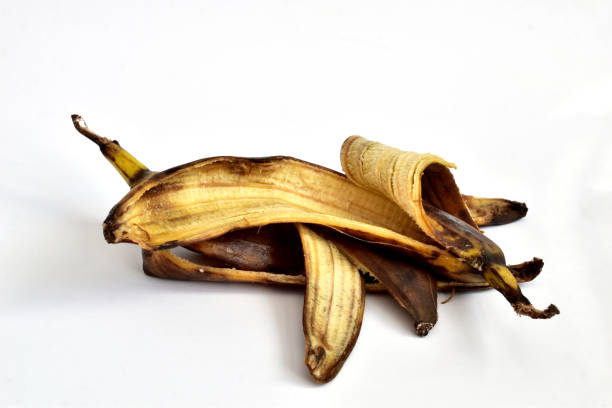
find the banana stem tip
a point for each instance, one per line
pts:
(81, 126)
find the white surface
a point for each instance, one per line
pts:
(518, 95)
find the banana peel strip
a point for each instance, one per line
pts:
(207, 198)
(422, 185)
(167, 265)
(334, 301)
(405, 178)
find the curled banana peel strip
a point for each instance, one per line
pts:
(397, 223)
(422, 185)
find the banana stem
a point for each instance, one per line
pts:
(127, 165)
(502, 279)
(527, 309)
(82, 128)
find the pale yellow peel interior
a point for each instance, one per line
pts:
(333, 305)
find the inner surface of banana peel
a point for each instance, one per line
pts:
(334, 301)
(406, 201)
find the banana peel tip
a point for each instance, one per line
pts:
(423, 328)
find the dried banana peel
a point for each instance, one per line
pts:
(396, 223)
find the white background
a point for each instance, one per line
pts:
(518, 94)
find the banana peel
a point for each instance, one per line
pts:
(423, 186)
(494, 211)
(395, 222)
(165, 264)
(410, 284)
(208, 198)
(276, 248)
(224, 246)
(334, 300)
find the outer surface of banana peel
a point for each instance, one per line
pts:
(333, 305)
